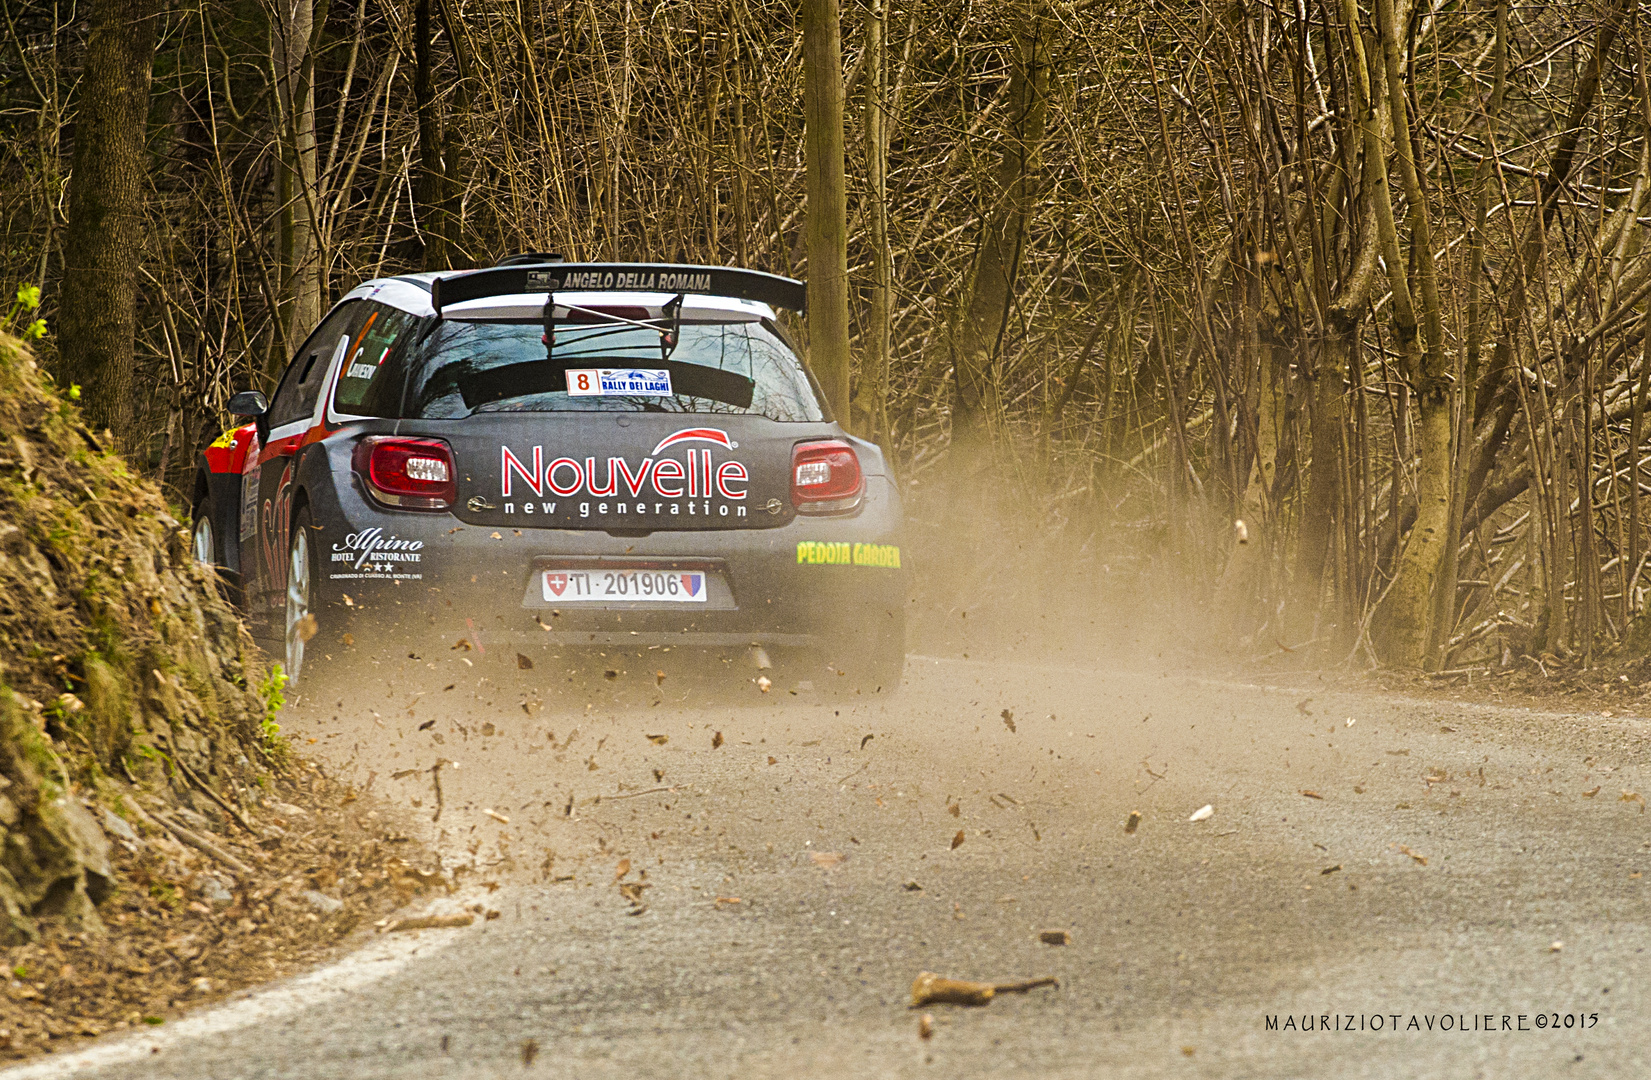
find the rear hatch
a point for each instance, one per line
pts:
(623, 472)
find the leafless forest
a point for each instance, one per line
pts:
(1325, 320)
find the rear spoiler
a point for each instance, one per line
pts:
(755, 285)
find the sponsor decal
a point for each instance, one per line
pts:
(371, 554)
(693, 484)
(275, 524)
(609, 281)
(845, 553)
(225, 440)
(698, 434)
(618, 382)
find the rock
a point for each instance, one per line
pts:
(90, 847)
(321, 902)
(213, 892)
(287, 810)
(114, 823)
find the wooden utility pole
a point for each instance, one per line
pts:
(827, 202)
(103, 236)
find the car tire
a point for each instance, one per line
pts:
(203, 533)
(858, 666)
(300, 601)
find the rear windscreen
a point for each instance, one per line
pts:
(467, 367)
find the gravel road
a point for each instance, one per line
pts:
(1374, 857)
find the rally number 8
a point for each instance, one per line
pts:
(584, 381)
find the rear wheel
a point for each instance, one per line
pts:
(203, 535)
(872, 663)
(300, 622)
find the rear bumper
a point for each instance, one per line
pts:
(430, 575)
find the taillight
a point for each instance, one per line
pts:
(411, 473)
(826, 478)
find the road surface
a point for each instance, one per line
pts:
(1422, 865)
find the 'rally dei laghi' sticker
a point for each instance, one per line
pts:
(618, 382)
(843, 553)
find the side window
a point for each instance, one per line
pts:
(301, 385)
(368, 386)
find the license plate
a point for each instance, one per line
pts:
(607, 586)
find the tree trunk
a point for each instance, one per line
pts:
(430, 188)
(1402, 623)
(103, 236)
(978, 333)
(827, 226)
(874, 375)
(296, 178)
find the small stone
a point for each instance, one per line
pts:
(321, 902)
(114, 823)
(213, 892)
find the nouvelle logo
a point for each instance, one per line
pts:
(668, 477)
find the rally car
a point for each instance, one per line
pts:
(550, 454)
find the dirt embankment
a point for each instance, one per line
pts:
(159, 843)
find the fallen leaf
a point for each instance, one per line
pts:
(925, 1027)
(305, 628)
(1205, 812)
(610, 673)
(729, 900)
(427, 725)
(1330, 869)
(429, 922)
(912, 886)
(1054, 937)
(347, 601)
(1008, 720)
(349, 639)
(622, 869)
(488, 728)
(957, 841)
(955, 809)
(1188, 1051)
(827, 859)
(716, 740)
(930, 988)
(530, 1047)
(1312, 794)
(1403, 850)
(1132, 823)
(865, 740)
(1631, 796)
(659, 740)
(524, 662)
(1590, 793)
(494, 536)
(772, 759)
(463, 643)
(659, 678)
(496, 816)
